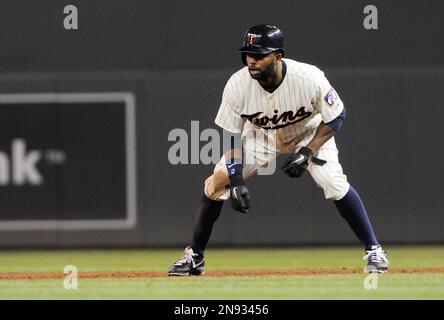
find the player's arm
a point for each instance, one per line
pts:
(325, 131)
(230, 120)
(327, 102)
(296, 164)
(232, 148)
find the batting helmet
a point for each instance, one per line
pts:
(262, 39)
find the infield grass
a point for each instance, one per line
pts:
(338, 286)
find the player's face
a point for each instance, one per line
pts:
(260, 66)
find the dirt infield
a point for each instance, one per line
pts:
(212, 273)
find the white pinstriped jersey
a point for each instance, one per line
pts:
(294, 109)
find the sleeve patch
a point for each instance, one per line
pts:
(331, 97)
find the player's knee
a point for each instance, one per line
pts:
(215, 186)
(336, 191)
(335, 186)
(333, 183)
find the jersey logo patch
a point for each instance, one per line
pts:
(331, 97)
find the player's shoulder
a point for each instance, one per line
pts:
(239, 82)
(303, 71)
(240, 75)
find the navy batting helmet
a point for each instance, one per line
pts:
(262, 39)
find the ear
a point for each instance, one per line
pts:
(278, 57)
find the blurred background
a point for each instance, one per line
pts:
(85, 116)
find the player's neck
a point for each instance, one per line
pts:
(274, 80)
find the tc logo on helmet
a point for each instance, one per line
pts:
(251, 38)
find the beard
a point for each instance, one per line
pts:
(263, 75)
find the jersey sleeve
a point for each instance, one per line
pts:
(325, 99)
(229, 115)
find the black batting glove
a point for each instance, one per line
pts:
(239, 194)
(297, 163)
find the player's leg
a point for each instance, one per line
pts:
(208, 211)
(209, 208)
(333, 181)
(215, 191)
(256, 156)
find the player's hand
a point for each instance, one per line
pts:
(239, 194)
(297, 163)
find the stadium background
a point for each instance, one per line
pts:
(175, 57)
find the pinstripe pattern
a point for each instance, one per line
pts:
(330, 176)
(304, 86)
(305, 98)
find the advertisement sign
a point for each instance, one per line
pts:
(67, 161)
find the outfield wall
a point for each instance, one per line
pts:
(116, 166)
(201, 34)
(85, 117)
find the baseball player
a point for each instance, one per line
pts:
(297, 112)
